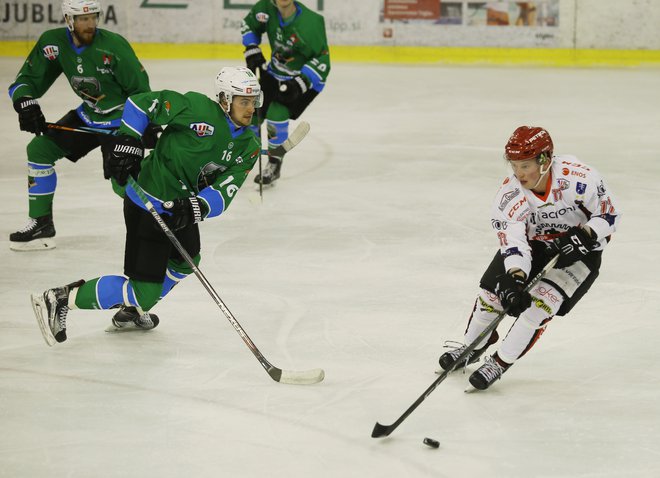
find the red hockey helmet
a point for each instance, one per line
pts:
(529, 142)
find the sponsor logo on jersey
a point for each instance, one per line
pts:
(576, 165)
(51, 52)
(580, 188)
(107, 59)
(600, 189)
(564, 184)
(202, 129)
(557, 195)
(517, 206)
(499, 225)
(507, 197)
(262, 17)
(556, 214)
(511, 251)
(565, 171)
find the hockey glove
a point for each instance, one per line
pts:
(511, 291)
(121, 158)
(254, 58)
(151, 135)
(181, 213)
(30, 116)
(291, 90)
(573, 246)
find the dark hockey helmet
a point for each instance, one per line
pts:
(529, 142)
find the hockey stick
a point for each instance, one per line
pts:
(293, 377)
(82, 129)
(384, 430)
(259, 120)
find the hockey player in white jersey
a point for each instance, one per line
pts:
(549, 205)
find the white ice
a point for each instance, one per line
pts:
(362, 260)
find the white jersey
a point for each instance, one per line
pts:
(576, 195)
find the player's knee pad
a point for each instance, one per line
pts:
(278, 132)
(487, 308)
(546, 301)
(42, 179)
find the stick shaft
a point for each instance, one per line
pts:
(207, 285)
(82, 129)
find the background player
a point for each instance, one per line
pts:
(103, 70)
(297, 72)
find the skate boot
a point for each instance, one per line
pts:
(271, 172)
(128, 319)
(448, 358)
(491, 370)
(50, 309)
(38, 235)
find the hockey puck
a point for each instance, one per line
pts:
(283, 88)
(431, 442)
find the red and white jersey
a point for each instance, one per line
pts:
(576, 194)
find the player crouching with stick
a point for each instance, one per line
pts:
(549, 205)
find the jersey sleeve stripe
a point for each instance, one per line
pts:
(215, 203)
(134, 118)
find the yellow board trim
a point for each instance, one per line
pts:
(558, 57)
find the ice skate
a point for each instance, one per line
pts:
(50, 309)
(38, 235)
(448, 358)
(492, 370)
(270, 173)
(128, 319)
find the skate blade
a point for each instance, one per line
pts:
(471, 389)
(41, 314)
(113, 329)
(36, 245)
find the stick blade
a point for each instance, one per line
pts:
(297, 377)
(380, 431)
(297, 136)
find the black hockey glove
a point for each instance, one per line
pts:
(181, 213)
(573, 246)
(30, 116)
(291, 90)
(511, 291)
(121, 157)
(254, 58)
(151, 135)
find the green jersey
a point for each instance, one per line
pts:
(201, 151)
(104, 74)
(298, 44)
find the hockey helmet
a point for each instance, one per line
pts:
(237, 81)
(71, 8)
(529, 142)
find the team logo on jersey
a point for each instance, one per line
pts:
(107, 59)
(580, 188)
(51, 52)
(202, 129)
(564, 184)
(600, 189)
(262, 17)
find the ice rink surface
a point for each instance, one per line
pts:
(362, 260)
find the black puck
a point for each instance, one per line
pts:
(431, 442)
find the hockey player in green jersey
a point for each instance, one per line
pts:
(103, 71)
(296, 73)
(200, 161)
